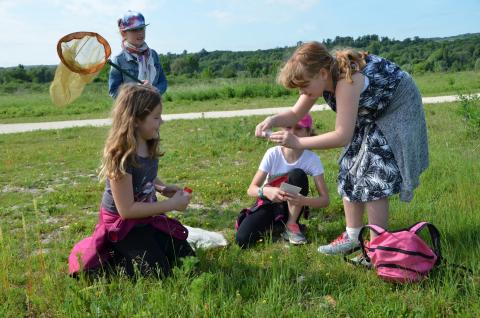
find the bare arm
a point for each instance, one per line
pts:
(274, 194)
(122, 191)
(347, 96)
(289, 117)
(256, 183)
(323, 199)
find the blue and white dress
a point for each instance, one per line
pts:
(368, 169)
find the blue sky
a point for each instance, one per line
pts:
(30, 29)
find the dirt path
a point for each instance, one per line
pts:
(26, 127)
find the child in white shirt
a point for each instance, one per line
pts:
(274, 205)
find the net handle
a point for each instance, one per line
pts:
(109, 62)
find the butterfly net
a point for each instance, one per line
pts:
(82, 55)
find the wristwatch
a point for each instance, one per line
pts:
(260, 193)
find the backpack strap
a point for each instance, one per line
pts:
(375, 228)
(434, 236)
(417, 227)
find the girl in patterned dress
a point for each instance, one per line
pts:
(380, 122)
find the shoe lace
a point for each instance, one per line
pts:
(339, 239)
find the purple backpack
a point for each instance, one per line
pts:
(402, 256)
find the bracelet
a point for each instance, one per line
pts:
(260, 193)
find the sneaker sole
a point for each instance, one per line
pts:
(297, 243)
(353, 250)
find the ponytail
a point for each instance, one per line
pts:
(347, 63)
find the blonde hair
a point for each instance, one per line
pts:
(308, 59)
(134, 103)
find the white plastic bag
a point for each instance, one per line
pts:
(200, 238)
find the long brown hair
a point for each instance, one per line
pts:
(308, 59)
(133, 104)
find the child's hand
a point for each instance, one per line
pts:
(286, 139)
(274, 194)
(181, 200)
(295, 199)
(146, 83)
(266, 124)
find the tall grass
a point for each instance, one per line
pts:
(244, 90)
(470, 111)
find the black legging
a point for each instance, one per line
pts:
(149, 249)
(254, 226)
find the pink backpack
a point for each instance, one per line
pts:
(402, 256)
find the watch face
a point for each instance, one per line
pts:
(260, 192)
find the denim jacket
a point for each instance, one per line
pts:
(129, 63)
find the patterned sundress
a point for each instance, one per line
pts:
(368, 170)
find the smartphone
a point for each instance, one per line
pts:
(290, 188)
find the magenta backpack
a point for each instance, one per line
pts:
(402, 256)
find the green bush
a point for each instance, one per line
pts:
(470, 111)
(243, 90)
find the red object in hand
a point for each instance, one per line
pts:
(187, 189)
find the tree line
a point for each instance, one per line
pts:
(415, 55)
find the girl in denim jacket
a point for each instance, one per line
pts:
(136, 57)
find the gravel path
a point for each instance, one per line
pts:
(25, 127)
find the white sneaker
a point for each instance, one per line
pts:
(361, 260)
(341, 245)
(295, 238)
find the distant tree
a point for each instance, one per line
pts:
(254, 67)
(202, 53)
(41, 74)
(186, 65)
(166, 64)
(439, 66)
(477, 65)
(229, 71)
(374, 47)
(18, 74)
(207, 73)
(415, 55)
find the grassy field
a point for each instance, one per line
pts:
(49, 199)
(196, 95)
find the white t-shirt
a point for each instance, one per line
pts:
(274, 163)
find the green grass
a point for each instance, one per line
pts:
(195, 95)
(49, 200)
(470, 111)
